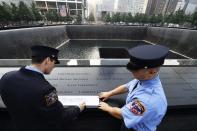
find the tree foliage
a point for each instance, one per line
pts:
(78, 19)
(194, 19)
(5, 12)
(24, 13)
(91, 17)
(107, 18)
(116, 17)
(14, 10)
(52, 16)
(21, 13)
(178, 17)
(36, 12)
(129, 18)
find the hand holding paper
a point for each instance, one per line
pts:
(90, 101)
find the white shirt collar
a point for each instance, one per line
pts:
(33, 68)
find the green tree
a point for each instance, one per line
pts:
(52, 16)
(68, 18)
(123, 17)
(137, 18)
(129, 18)
(2, 19)
(188, 18)
(62, 18)
(5, 13)
(78, 19)
(25, 14)
(107, 18)
(179, 17)
(144, 18)
(169, 18)
(159, 18)
(49, 16)
(194, 19)
(91, 17)
(15, 15)
(57, 16)
(36, 12)
(116, 17)
(153, 19)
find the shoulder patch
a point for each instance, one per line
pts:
(136, 107)
(51, 98)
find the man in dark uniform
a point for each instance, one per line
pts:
(31, 100)
(146, 102)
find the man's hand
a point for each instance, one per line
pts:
(82, 106)
(114, 111)
(104, 106)
(104, 95)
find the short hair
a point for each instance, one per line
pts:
(39, 59)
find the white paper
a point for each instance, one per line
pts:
(76, 100)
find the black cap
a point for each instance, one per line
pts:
(147, 56)
(45, 51)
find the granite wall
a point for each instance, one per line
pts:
(180, 40)
(16, 43)
(106, 32)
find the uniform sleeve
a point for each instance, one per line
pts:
(134, 112)
(0, 86)
(130, 84)
(54, 109)
(1, 83)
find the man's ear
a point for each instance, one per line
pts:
(46, 61)
(152, 71)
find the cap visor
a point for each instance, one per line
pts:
(57, 62)
(132, 67)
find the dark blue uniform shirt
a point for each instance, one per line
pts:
(33, 102)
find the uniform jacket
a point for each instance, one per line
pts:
(33, 103)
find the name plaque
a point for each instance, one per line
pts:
(179, 83)
(84, 81)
